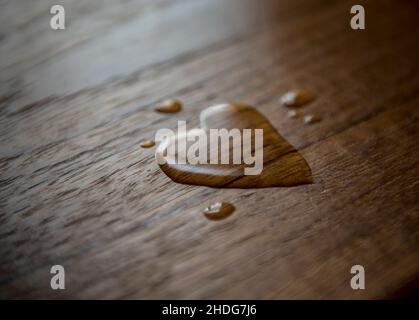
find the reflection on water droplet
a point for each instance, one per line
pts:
(219, 210)
(296, 98)
(148, 144)
(169, 106)
(294, 114)
(311, 118)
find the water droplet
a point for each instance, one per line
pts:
(282, 164)
(296, 98)
(295, 114)
(219, 210)
(311, 118)
(148, 144)
(169, 106)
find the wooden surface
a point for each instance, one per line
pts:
(77, 190)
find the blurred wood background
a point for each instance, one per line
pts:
(77, 190)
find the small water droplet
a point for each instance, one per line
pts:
(294, 114)
(148, 144)
(296, 98)
(311, 118)
(169, 106)
(219, 210)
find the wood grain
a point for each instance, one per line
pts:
(76, 189)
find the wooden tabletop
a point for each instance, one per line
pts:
(77, 190)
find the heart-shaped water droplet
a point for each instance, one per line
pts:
(282, 163)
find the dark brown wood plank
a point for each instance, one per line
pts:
(77, 190)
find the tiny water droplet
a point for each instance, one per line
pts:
(311, 118)
(169, 106)
(219, 210)
(294, 114)
(148, 144)
(296, 98)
